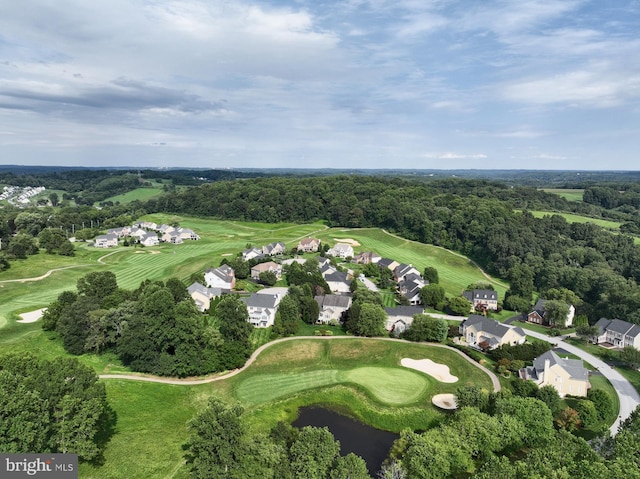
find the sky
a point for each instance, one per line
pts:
(415, 84)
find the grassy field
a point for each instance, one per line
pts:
(455, 271)
(571, 218)
(141, 194)
(566, 193)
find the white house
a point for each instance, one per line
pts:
(150, 239)
(400, 318)
(262, 309)
(332, 307)
(106, 241)
(341, 250)
(222, 277)
(617, 333)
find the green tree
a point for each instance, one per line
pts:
(21, 246)
(97, 285)
(427, 328)
(556, 312)
(286, 322)
(568, 419)
(431, 295)
(431, 275)
(349, 467)
(549, 395)
(53, 197)
(587, 413)
(177, 289)
(458, 306)
(602, 402)
(314, 453)
(216, 447)
(472, 396)
(73, 324)
(371, 321)
(534, 415)
(268, 278)
(631, 356)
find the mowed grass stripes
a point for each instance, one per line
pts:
(392, 386)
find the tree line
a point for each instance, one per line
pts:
(480, 219)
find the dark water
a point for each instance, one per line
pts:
(370, 444)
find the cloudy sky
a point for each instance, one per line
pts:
(535, 84)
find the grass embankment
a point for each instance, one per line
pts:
(572, 218)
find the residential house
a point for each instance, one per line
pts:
(486, 299)
(537, 315)
(332, 307)
(341, 250)
(410, 287)
(251, 253)
(222, 277)
(617, 333)
(120, 232)
(150, 239)
(388, 263)
(338, 281)
(268, 266)
(484, 333)
(202, 295)
(187, 234)
(290, 261)
(172, 237)
(137, 233)
(273, 249)
(163, 228)
(147, 225)
(567, 376)
(400, 318)
(401, 272)
(106, 241)
(262, 309)
(309, 245)
(367, 257)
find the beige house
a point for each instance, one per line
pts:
(568, 376)
(202, 295)
(268, 266)
(309, 245)
(484, 333)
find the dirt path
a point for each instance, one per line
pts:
(256, 353)
(51, 271)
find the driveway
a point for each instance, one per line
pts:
(629, 397)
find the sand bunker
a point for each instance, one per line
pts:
(32, 316)
(436, 370)
(154, 252)
(444, 401)
(350, 241)
(226, 254)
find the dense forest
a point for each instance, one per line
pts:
(484, 220)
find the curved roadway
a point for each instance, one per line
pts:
(629, 397)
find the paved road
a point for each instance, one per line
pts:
(629, 397)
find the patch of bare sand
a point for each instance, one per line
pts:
(350, 241)
(444, 401)
(436, 370)
(31, 316)
(154, 252)
(226, 254)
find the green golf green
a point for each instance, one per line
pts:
(388, 385)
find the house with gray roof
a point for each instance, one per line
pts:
(106, 241)
(411, 286)
(273, 249)
(251, 253)
(338, 281)
(567, 376)
(222, 277)
(262, 309)
(202, 295)
(484, 333)
(538, 316)
(400, 318)
(150, 239)
(332, 307)
(367, 257)
(341, 250)
(486, 299)
(617, 333)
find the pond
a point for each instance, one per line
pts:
(369, 443)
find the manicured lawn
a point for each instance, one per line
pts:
(571, 218)
(567, 193)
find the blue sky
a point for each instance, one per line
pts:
(532, 84)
